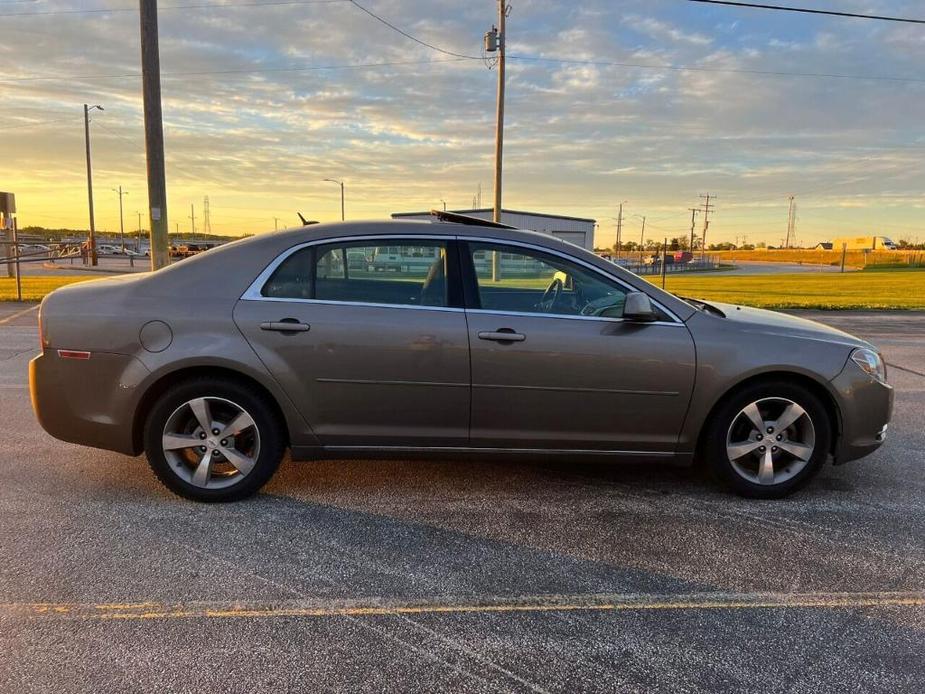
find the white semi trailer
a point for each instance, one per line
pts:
(864, 243)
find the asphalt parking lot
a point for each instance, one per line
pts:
(476, 577)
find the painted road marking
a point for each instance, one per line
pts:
(18, 314)
(542, 603)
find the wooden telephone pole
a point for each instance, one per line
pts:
(154, 134)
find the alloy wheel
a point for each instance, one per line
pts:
(770, 441)
(211, 442)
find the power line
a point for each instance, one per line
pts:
(805, 10)
(200, 6)
(409, 36)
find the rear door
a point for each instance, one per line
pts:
(372, 353)
(554, 366)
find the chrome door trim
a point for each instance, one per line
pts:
(367, 304)
(252, 293)
(606, 319)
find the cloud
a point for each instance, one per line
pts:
(252, 122)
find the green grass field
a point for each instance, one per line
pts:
(35, 288)
(870, 289)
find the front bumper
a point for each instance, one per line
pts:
(866, 406)
(90, 402)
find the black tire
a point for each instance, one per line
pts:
(717, 429)
(272, 437)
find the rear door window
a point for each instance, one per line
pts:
(398, 272)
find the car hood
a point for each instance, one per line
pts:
(773, 322)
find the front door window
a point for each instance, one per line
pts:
(513, 279)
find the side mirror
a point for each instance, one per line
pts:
(638, 308)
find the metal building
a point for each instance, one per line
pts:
(575, 230)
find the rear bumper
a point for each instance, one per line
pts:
(90, 402)
(866, 408)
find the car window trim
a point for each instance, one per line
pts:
(466, 276)
(473, 300)
(255, 291)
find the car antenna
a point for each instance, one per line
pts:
(306, 222)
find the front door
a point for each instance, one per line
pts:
(364, 338)
(555, 367)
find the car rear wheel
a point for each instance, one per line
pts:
(213, 440)
(769, 439)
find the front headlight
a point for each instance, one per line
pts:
(871, 363)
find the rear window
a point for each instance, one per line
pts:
(407, 273)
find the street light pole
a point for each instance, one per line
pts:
(341, 184)
(121, 223)
(92, 243)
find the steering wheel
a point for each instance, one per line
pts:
(551, 295)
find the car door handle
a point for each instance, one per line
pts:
(503, 335)
(287, 325)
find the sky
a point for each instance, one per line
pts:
(661, 101)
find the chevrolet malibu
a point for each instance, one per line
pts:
(382, 339)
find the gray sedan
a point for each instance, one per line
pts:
(400, 338)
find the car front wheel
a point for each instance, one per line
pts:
(213, 440)
(769, 439)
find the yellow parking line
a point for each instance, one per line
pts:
(546, 603)
(11, 318)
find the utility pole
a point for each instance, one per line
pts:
(92, 241)
(501, 38)
(619, 232)
(192, 216)
(642, 236)
(707, 208)
(789, 223)
(276, 224)
(139, 232)
(154, 134)
(121, 223)
(694, 211)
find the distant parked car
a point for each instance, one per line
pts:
(681, 257)
(502, 341)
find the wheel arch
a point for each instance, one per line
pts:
(165, 381)
(817, 387)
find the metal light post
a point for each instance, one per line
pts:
(444, 204)
(341, 184)
(121, 223)
(92, 242)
